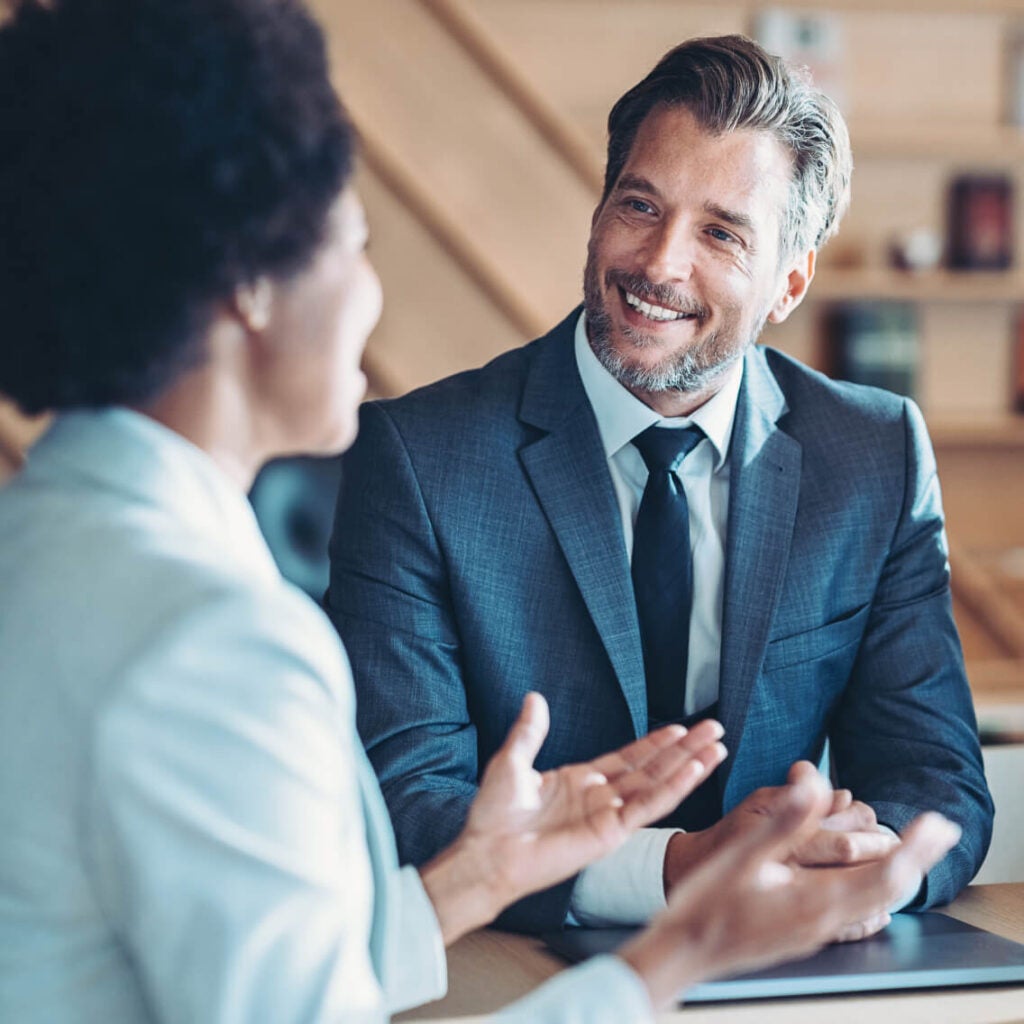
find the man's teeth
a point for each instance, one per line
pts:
(653, 312)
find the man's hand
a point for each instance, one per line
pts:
(847, 835)
(527, 830)
(748, 905)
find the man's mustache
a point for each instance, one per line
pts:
(656, 294)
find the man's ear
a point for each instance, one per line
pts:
(798, 280)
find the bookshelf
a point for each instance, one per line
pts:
(1003, 433)
(968, 145)
(866, 283)
(928, 92)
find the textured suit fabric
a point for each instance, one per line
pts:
(482, 557)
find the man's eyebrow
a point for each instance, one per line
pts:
(635, 183)
(733, 217)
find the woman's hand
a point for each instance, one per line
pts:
(527, 830)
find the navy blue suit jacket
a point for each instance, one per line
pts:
(478, 554)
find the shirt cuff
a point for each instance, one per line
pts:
(417, 969)
(625, 888)
(604, 990)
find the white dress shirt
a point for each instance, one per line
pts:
(189, 829)
(627, 887)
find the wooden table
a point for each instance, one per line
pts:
(490, 969)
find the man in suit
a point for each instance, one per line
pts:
(771, 553)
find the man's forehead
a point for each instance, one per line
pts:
(741, 168)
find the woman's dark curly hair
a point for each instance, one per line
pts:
(154, 155)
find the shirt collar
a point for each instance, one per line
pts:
(621, 415)
(127, 452)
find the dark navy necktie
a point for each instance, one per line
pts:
(662, 570)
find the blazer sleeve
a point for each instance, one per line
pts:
(226, 827)
(390, 600)
(904, 737)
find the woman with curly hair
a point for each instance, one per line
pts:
(190, 830)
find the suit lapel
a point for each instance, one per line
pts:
(569, 473)
(764, 487)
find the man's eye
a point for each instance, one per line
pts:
(639, 205)
(721, 235)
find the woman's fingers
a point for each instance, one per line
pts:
(651, 792)
(528, 732)
(638, 753)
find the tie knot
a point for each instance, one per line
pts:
(663, 448)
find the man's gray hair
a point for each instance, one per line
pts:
(730, 82)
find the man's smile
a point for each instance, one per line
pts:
(653, 312)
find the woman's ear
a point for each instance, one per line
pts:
(252, 304)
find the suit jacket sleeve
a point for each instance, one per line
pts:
(904, 735)
(226, 828)
(390, 601)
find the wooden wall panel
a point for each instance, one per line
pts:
(435, 320)
(983, 492)
(944, 69)
(585, 55)
(407, 82)
(965, 359)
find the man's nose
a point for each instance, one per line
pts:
(669, 254)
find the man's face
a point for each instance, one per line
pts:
(683, 266)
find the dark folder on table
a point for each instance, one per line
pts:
(915, 951)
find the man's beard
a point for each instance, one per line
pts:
(691, 371)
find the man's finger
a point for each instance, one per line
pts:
(864, 891)
(835, 849)
(801, 770)
(857, 817)
(864, 929)
(841, 799)
(926, 840)
(799, 807)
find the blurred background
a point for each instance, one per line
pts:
(483, 129)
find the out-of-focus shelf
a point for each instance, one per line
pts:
(969, 432)
(837, 283)
(916, 6)
(966, 145)
(1000, 711)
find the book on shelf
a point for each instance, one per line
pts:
(1017, 393)
(875, 343)
(981, 222)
